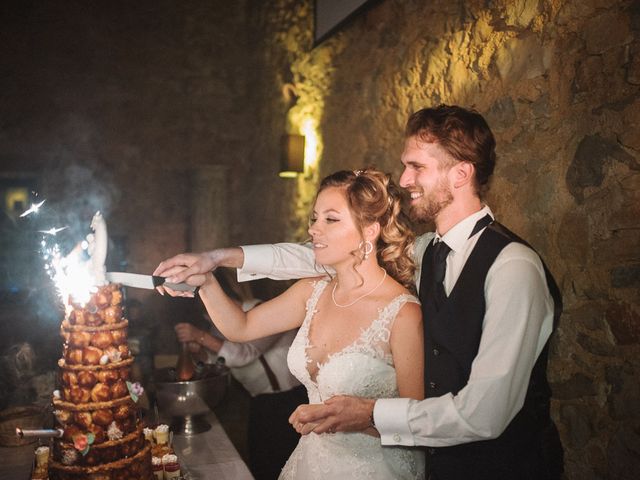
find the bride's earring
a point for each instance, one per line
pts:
(368, 248)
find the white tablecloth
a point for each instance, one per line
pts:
(210, 455)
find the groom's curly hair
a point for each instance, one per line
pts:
(463, 133)
(373, 197)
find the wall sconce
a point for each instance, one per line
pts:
(292, 161)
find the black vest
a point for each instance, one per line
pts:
(452, 338)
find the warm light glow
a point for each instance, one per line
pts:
(311, 144)
(14, 198)
(288, 174)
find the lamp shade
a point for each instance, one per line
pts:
(292, 161)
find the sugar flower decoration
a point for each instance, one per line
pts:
(114, 356)
(69, 456)
(83, 442)
(113, 432)
(135, 390)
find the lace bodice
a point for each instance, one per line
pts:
(363, 368)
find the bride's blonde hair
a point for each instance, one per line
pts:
(373, 197)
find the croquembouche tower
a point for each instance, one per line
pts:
(95, 406)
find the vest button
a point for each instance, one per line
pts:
(436, 352)
(432, 385)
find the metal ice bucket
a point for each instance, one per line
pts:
(187, 403)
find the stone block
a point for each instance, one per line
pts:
(633, 66)
(579, 428)
(587, 169)
(623, 399)
(520, 13)
(605, 31)
(620, 247)
(573, 236)
(623, 453)
(625, 276)
(596, 346)
(578, 386)
(502, 114)
(589, 315)
(629, 134)
(624, 323)
(522, 58)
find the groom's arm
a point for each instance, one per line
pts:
(280, 261)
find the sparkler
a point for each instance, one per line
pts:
(78, 274)
(32, 209)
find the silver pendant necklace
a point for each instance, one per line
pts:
(333, 292)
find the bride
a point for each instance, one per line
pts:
(360, 328)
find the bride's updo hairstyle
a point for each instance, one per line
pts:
(373, 197)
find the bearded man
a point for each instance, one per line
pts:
(489, 307)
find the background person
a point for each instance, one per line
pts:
(261, 367)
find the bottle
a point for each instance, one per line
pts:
(185, 369)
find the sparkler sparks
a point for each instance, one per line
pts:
(70, 275)
(32, 209)
(78, 274)
(53, 231)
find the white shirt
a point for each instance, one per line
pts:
(517, 324)
(243, 360)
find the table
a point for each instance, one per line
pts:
(203, 456)
(210, 454)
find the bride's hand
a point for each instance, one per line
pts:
(304, 428)
(338, 414)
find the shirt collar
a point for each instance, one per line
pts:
(458, 235)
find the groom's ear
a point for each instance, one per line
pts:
(463, 173)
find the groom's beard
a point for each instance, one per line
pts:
(432, 203)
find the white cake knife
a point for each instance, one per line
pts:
(148, 282)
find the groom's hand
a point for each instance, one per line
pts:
(338, 414)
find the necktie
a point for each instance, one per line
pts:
(434, 266)
(440, 252)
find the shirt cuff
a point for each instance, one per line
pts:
(258, 262)
(391, 418)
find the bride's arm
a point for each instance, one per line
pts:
(282, 313)
(407, 348)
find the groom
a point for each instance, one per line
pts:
(489, 307)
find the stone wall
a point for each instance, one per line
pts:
(559, 83)
(114, 105)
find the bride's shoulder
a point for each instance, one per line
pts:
(396, 289)
(312, 283)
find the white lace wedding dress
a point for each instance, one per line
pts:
(363, 369)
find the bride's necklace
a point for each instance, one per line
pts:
(333, 292)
